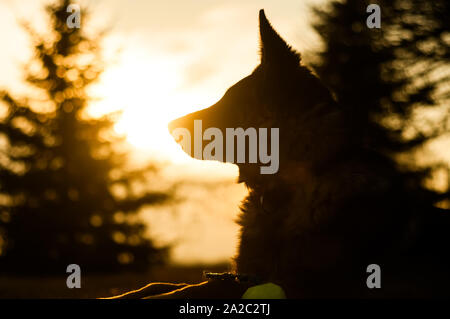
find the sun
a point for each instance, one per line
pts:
(146, 90)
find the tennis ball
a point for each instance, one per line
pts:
(264, 291)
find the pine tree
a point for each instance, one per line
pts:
(383, 76)
(67, 196)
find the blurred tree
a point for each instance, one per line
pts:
(383, 77)
(66, 195)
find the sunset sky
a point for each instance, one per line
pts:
(175, 58)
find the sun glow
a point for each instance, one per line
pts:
(148, 92)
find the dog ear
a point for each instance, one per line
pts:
(274, 50)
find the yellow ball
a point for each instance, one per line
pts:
(265, 291)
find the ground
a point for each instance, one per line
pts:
(95, 286)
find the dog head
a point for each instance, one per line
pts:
(281, 111)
